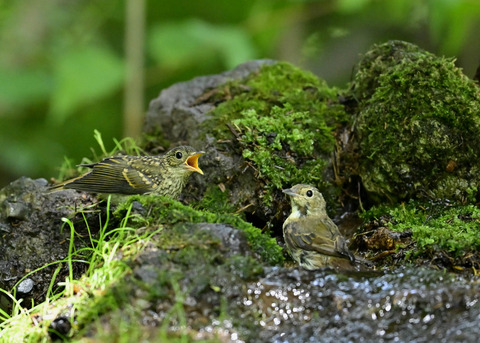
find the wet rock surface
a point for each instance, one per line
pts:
(223, 298)
(32, 237)
(405, 305)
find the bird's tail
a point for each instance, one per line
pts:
(62, 185)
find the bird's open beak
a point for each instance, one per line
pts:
(290, 192)
(192, 162)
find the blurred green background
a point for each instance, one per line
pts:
(69, 67)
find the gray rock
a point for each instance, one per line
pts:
(32, 235)
(15, 210)
(25, 287)
(176, 111)
(233, 240)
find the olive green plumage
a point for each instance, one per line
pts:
(312, 238)
(163, 175)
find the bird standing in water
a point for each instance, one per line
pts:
(162, 175)
(312, 238)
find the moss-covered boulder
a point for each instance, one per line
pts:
(189, 275)
(438, 235)
(157, 211)
(417, 125)
(268, 126)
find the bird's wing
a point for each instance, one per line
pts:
(308, 240)
(339, 242)
(321, 240)
(112, 175)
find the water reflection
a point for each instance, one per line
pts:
(297, 306)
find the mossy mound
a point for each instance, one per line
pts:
(188, 275)
(418, 125)
(437, 234)
(162, 211)
(282, 121)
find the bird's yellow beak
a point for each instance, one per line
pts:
(192, 162)
(290, 192)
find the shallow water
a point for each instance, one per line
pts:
(411, 305)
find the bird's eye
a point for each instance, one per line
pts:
(178, 155)
(309, 193)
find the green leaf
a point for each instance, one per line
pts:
(82, 76)
(351, 6)
(177, 44)
(451, 21)
(23, 87)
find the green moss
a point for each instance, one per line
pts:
(284, 120)
(418, 125)
(455, 229)
(189, 248)
(377, 62)
(214, 200)
(264, 138)
(164, 211)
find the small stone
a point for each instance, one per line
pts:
(137, 207)
(60, 327)
(41, 182)
(25, 287)
(233, 240)
(15, 210)
(4, 228)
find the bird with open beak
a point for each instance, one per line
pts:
(164, 175)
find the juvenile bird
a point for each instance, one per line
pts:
(163, 175)
(311, 237)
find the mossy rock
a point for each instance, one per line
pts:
(157, 211)
(283, 120)
(442, 235)
(418, 125)
(265, 126)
